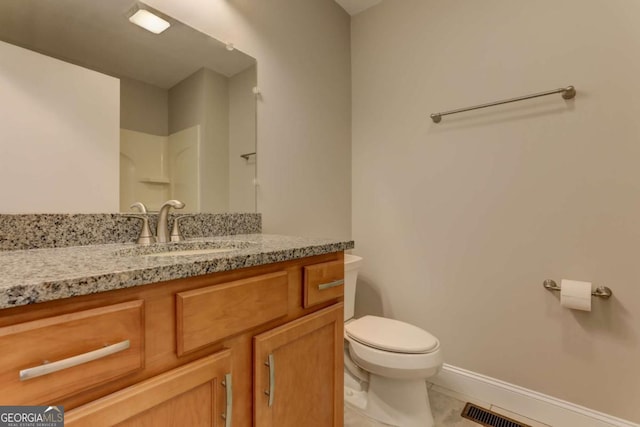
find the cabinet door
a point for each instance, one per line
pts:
(197, 394)
(298, 372)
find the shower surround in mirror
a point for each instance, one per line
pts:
(185, 142)
(78, 81)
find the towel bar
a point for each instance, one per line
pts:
(567, 93)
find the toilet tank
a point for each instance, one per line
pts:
(352, 265)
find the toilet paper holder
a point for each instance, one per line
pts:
(601, 291)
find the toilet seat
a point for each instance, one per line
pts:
(391, 335)
(395, 365)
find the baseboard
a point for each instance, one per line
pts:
(531, 404)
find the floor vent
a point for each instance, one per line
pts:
(488, 418)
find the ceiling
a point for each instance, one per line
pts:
(98, 35)
(353, 7)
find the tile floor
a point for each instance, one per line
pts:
(446, 406)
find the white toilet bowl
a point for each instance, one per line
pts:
(387, 363)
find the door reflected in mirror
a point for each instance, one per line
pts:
(186, 119)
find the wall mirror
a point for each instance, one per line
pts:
(187, 117)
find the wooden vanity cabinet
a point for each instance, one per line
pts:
(193, 395)
(200, 348)
(298, 372)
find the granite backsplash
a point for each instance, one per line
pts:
(36, 231)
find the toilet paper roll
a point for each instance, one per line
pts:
(575, 295)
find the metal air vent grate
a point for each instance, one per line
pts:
(488, 418)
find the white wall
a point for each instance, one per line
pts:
(460, 222)
(74, 147)
(302, 49)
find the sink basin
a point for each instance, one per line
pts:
(193, 248)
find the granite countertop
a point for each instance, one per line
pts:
(39, 275)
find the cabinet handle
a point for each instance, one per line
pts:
(272, 378)
(70, 362)
(324, 286)
(228, 411)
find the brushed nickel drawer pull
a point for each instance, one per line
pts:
(70, 362)
(324, 286)
(272, 378)
(227, 384)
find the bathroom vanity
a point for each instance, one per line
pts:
(239, 330)
(248, 336)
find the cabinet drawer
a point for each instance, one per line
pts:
(323, 282)
(205, 316)
(46, 359)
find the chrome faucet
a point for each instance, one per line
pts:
(162, 233)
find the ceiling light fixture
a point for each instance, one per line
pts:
(149, 21)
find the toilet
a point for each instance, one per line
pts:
(386, 363)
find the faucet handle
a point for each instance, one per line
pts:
(145, 237)
(176, 204)
(141, 207)
(176, 235)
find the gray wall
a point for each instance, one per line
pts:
(144, 107)
(214, 152)
(242, 140)
(203, 99)
(459, 223)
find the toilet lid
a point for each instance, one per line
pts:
(390, 335)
